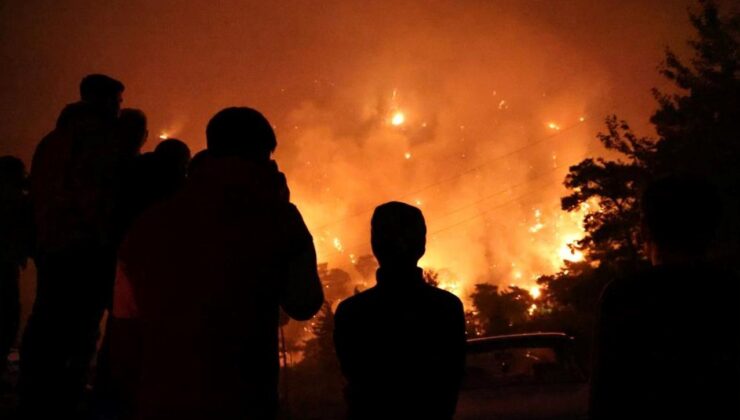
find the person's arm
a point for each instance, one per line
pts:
(124, 334)
(301, 294)
(342, 340)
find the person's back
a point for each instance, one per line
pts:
(401, 343)
(207, 270)
(669, 344)
(668, 338)
(73, 173)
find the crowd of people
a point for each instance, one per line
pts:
(193, 260)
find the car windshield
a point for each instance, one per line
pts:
(525, 365)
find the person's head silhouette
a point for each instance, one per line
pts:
(132, 126)
(175, 154)
(242, 132)
(398, 235)
(103, 92)
(679, 218)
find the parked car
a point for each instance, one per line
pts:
(524, 376)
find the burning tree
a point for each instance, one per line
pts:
(501, 311)
(698, 134)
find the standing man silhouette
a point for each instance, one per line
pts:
(401, 344)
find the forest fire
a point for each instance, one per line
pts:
(476, 233)
(543, 148)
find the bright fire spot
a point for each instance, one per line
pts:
(535, 292)
(418, 202)
(532, 309)
(338, 245)
(353, 259)
(582, 119)
(407, 155)
(164, 136)
(567, 254)
(553, 126)
(517, 275)
(398, 118)
(538, 222)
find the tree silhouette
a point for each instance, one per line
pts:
(698, 127)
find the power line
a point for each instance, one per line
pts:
(460, 174)
(483, 212)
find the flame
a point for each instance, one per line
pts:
(538, 222)
(164, 136)
(398, 119)
(535, 292)
(453, 287)
(407, 155)
(566, 253)
(553, 126)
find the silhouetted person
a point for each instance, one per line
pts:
(197, 162)
(173, 156)
(201, 277)
(132, 131)
(151, 177)
(16, 239)
(668, 338)
(401, 344)
(100, 98)
(73, 185)
(130, 134)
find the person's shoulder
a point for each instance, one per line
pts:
(52, 140)
(443, 297)
(358, 301)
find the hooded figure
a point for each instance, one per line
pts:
(202, 276)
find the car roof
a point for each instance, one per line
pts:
(539, 339)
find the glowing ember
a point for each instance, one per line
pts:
(164, 136)
(582, 119)
(538, 222)
(338, 245)
(407, 155)
(553, 126)
(532, 309)
(535, 292)
(398, 118)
